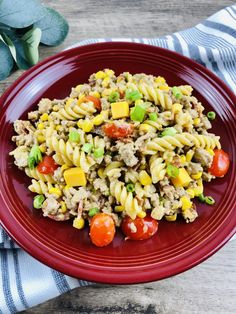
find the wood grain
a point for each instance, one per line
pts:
(207, 288)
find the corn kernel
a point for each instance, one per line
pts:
(190, 192)
(109, 72)
(196, 121)
(87, 126)
(210, 151)
(141, 214)
(98, 120)
(80, 123)
(160, 80)
(78, 88)
(119, 209)
(44, 117)
(58, 127)
(186, 203)
(171, 217)
(69, 101)
(55, 108)
(107, 92)
(55, 191)
(144, 178)
(105, 114)
(43, 148)
(176, 108)
(106, 82)
(81, 99)
(78, 223)
(63, 208)
(40, 139)
(196, 176)
(95, 94)
(100, 172)
(164, 87)
(182, 159)
(67, 187)
(64, 167)
(189, 155)
(40, 126)
(100, 75)
(144, 127)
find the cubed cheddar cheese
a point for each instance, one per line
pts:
(182, 180)
(75, 177)
(120, 110)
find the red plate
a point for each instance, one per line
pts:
(177, 246)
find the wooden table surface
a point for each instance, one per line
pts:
(207, 288)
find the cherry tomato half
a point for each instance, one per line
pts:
(139, 228)
(220, 163)
(95, 100)
(113, 130)
(47, 165)
(102, 229)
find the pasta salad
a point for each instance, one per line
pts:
(120, 151)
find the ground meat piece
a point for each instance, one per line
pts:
(85, 89)
(58, 176)
(141, 141)
(100, 184)
(206, 123)
(190, 214)
(20, 154)
(169, 191)
(24, 139)
(45, 105)
(127, 153)
(176, 161)
(194, 168)
(33, 115)
(203, 157)
(23, 127)
(207, 176)
(50, 206)
(105, 104)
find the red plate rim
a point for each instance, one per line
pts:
(101, 274)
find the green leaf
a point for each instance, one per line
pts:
(6, 61)
(54, 28)
(10, 45)
(20, 55)
(31, 41)
(21, 13)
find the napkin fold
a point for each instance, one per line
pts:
(25, 282)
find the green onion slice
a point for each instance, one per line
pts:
(74, 136)
(172, 171)
(87, 147)
(211, 115)
(209, 200)
(153, 116)
(132, 95)
(114, 97)
(93, 211)
(38, 201)
(138, 113)
(177, 92)
(201, 198)
(169, 131)
(98, 152)
(35, 156)
(130, 187)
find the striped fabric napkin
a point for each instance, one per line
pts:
(25, 282)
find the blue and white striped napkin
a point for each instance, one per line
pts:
(25, 282)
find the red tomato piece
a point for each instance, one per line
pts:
(115, 131)
(139, 228)
(47, 165)
(220, 163)
(102, 229)
(95, 100)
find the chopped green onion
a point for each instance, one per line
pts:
(98, 152)
(209, 200)
(177, 92)
(132, 95)
(169, 131)
(38, 201)
(74, 136)
(211, 115)
(130, 187)
(201, 198)
(172, 171)
(153, 116)
(93, 211)
(35, 156)
(87, 147)
(138, 113)
(114, 97)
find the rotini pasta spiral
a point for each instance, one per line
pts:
(126, 199)
(113, 169)
(34, 173)
(40, 187)
(157, 168)
(156, 95)
(131, 176)
(180, 140)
